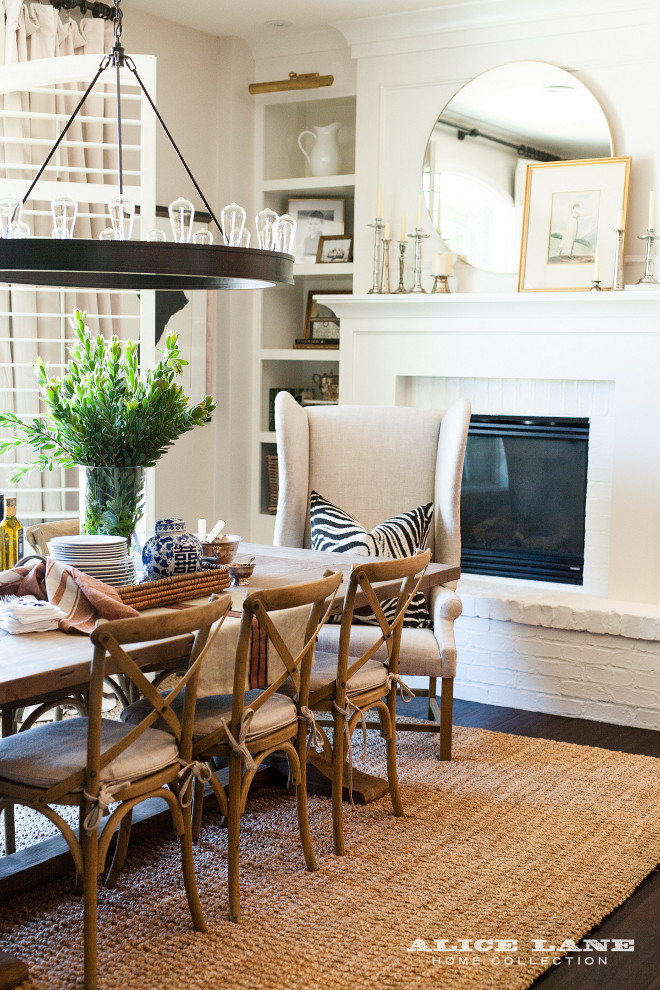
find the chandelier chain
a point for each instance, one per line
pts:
(117, 23)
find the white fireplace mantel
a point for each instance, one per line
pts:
(538, 339)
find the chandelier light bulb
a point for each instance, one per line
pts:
(122, 214)
(156, 235)
(267, 233)
(245, 238)
(182, 214)
(232, 219)
(10, 213)
(18, 231)
(65, 211)
(203, 237)
(286, 229)
(107, 234)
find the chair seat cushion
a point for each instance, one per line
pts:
(276, 713)
(43, 756)
(419, 653)
(372, 674)
(333, 529)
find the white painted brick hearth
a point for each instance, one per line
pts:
(558, 652)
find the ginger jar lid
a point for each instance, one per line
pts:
(172, 525)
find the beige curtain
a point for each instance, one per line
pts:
(34, 321)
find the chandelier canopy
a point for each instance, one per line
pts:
(117, 262)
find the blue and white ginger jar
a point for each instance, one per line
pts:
(171, 550)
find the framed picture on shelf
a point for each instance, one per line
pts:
(321, 327)
(570, 213)
(335, 248)
(316, 218)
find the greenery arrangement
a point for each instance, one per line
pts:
(103, 413)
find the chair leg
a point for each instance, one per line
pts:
(90, 850)
(338, 749)
(233, 837)
(432, 693)
(188, 867)
(390, 745)
(8, 717)
(446, 717)
(121, 848)
(198, 804)
(301, 802)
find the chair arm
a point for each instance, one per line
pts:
(445, 607)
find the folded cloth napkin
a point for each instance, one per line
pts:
(81, 598)
(27, 614)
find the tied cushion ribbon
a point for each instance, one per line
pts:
(100, 804)
(240, 747)
(315, 737)
(195, 770)
(407, 694)
(346, 713)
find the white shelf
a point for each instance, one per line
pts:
(308, 184)
(329, 270)
(267, 436)
(304, 354)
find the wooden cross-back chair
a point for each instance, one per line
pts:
(247, 727)
(347, 686)
(92, 762)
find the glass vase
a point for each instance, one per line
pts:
(112, 501)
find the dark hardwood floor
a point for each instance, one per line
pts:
(639, 917)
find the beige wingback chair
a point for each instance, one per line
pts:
(375, 462)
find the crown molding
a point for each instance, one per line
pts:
(285, 43)
(418, 29)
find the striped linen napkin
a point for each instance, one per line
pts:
(82, 598)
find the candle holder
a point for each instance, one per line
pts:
(378, 226)
(648, 278)
(418, 237)
(385, 271)
(402, 265)
(618, 283)
(440, 284)
(596, 286)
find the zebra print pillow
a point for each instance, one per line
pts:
(334, 530)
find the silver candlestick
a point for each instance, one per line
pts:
(418, 237)
(378, 259)
(648, 278)
(402, 265)
(385, 272)
(440, 283)
(618, 284)
(596, 286)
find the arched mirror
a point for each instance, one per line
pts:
(482, 142)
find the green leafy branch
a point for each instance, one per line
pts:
(101, 411)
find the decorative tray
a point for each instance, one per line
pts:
(177, 588)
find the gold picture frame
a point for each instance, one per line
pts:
(570, 209)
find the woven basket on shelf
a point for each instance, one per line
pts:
(177, 588)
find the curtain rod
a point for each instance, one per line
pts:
(95, 8)
(523, 150)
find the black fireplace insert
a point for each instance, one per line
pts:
(523, 497)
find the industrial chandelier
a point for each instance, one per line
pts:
(115, 261)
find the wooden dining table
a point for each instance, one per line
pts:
(39, 667)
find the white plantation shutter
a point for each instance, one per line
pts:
(36, 98)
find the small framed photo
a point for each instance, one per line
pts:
(335, 248)
(317, 313)
(570, 213)
(316, 218)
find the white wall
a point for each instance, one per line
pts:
(202, 96)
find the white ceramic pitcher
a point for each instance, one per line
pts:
(325, 157)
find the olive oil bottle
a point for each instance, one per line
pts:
(11, 536)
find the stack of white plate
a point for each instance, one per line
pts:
(102, 557)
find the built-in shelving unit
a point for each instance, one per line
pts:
(285, 176)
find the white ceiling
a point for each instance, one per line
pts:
(246, 18)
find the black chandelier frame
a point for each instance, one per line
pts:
(113, 264)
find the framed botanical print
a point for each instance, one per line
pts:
(571, 211)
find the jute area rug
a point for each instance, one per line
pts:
(516, 839)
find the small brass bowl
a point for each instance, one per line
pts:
(223, 548)
(240, 573)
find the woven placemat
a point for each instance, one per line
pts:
(176, 588)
